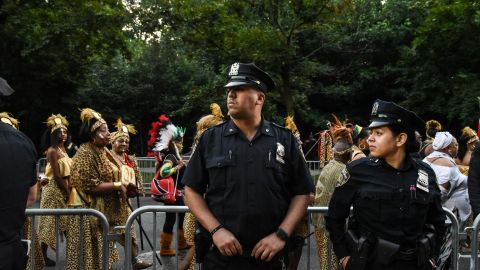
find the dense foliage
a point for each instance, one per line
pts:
(137, 59)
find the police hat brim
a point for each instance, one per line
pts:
(234, 84)
(379, 123)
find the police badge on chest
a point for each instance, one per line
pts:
(422, 180)
(279, 156)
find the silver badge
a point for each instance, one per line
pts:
(234, 69)
(422, 180)
(375, 108)
(280, 153)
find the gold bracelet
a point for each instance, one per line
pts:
(117, 185)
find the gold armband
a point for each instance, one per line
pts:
(117, 185)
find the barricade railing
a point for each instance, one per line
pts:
(81, 212)
(311, 210)
(154, 209)
(474, 245)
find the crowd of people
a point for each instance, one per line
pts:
(248, 187)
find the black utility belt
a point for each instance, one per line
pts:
(368, 249)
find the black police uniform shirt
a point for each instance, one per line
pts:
(18, 174)
(392, 204)
(248, 185)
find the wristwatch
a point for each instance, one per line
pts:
(282, 234)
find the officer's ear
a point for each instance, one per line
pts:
(260, 98)
(401, 139)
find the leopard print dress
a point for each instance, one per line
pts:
(323, 192)
(27, 234)
(53, 197)
(91, 167)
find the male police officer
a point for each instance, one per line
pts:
(255, 180)
(394, 197)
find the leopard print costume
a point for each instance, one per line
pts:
(27, 234)
(91, 167)
(53, 197)
(323, 192)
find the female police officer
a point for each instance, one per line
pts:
(394, 197)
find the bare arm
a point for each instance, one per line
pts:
(52, 157)
(32, 195)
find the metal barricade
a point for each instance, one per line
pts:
(71, 212)
(474, 246)
(128, 234)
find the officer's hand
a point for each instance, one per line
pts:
(226, 243)
(344, 262)
(268, 247)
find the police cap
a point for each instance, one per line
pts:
(249, 74)
(386, 113)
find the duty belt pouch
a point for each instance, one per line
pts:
(384, 251)
(426, 247)
(203, 242)
(360, 250)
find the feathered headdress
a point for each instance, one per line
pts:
(356, 131)
(290, 124)
(470, 134)
(433, 124)
(56, 121)
(339, 131)
(162, 133)
(123, 130)
(92, 117)
(210, 120)
(7, 118)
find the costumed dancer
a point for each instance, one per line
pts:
(206, 122)
(343, 153)
(466, 144)
(93, 179)
(431, 127)
(165, 145)
(126, 172)
(57, 189)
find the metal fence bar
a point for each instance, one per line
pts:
(75, 212)
(134, 215)
(455, 234)
(57, 242)
(32, 243)
(474, 246)
(154, 239)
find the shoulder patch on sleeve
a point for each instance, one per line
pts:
(343, 178)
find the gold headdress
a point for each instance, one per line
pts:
(123, 130)
(432, 125)
(290, 124)
(7, 118)
(208, 121)
(470, 134)
(56, 121)
(88, 114)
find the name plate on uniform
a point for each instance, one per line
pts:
(422, 180)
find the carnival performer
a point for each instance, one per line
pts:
(126, 172)
(93, 178)
(206, 122)
(452, 183)
(56, 191)
(466, 144)
(431, 127)
(343, 153)
(165, 144)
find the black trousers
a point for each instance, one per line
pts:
(171, 217)
(215, 261)
(13, 256)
